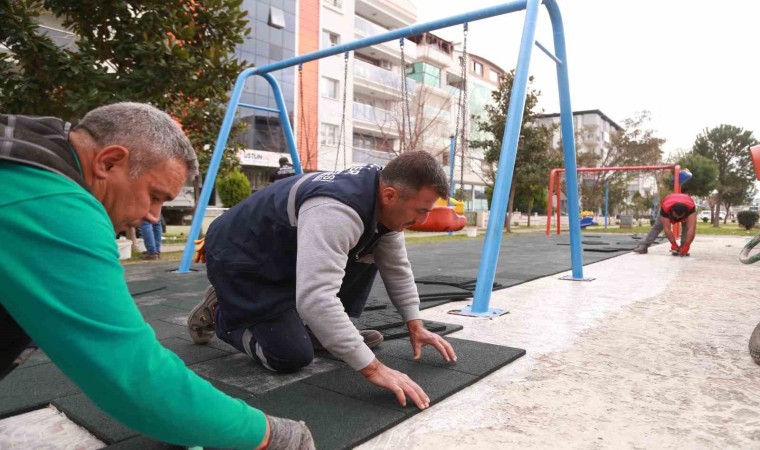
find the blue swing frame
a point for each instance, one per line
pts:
(492, 243)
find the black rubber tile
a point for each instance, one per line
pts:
(336, 421)
(242, 372)
(142, 287)
(474, 358)
(379, 319)
(165, 329)
(35, 359)
(436, 327)
(30, 388)
(433, 303)
(143, 443)
(437, 382)
(435, 290)
(157, 311)
(83, 411)
(215, 343)
(603, 250)
(191, 353)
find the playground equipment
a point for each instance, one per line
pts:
(754, 339)
(503, 182)
(555, 184)
(442, 218)
(587, 219)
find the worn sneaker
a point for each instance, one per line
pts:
(641, 249)
(149, 256)
(372, 338)
(200, 323)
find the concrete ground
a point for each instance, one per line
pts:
(652, 354)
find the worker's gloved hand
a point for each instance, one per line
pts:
(286, 434)
(673, 247)
(685, 249)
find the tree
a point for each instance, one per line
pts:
(177, 55)
(704, 175)
(726, 146)
(535, 154)
(635, 145)
(233, 188)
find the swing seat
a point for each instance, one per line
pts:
(442, 218)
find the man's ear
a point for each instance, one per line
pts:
(110, 159)
(388, 195)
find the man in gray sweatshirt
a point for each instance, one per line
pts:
(300, 256)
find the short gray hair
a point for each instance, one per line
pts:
(151, 135)
(411, 171)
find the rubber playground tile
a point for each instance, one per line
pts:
(84, 413)
(242, 372)
(379, 319)
(436, 327)
(474, 358)
(35, 359)
(437, 382)
(165, 329)
(137, 288)
(433, 303)
(438, 290)
(157, 311)
(142, 443)
(28, 388)
(215, 343)
(191, 353)
(336, 421)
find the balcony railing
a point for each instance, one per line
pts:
(365, 28)
(369, 156)
(371, 114)
(382, 76)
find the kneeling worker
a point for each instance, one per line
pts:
(290, 264)
(676, 208)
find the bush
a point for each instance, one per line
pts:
(747, 219)
(233, 189)
(705, 219)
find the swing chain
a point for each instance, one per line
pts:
(406, 121)
(302, 130)
(462, 118)
(342, 132)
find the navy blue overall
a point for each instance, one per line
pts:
(251, 262)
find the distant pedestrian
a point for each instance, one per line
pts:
(152, 234)
(284, 171)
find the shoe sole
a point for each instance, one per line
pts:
(201, 334)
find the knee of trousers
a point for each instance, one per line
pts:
(289, 359)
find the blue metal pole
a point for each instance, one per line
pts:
(506, 170)
(285, 122)
(568, 141)
(606, 204)
(213, 168)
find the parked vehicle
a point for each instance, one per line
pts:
(706, 214)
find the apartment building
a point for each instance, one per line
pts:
(593, 132)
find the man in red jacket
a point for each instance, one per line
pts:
(676, 208)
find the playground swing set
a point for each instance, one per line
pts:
(504, 176)
(680, 176)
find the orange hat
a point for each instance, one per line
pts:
(755, 152)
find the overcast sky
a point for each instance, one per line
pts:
(692, 64)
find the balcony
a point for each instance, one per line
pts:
(373, 119)
(377, 80)
(363, 28)
(392, 13)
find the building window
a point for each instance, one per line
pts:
(329, 88)
(328, 134)
(477, 68)
(493, 76)
(425, 73)
(276, 17)
(334, 3)
(330, 39)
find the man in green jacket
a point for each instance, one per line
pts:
(114, 169)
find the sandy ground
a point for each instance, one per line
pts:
(652, 354)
